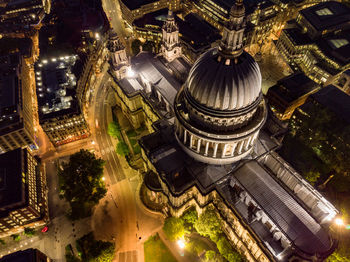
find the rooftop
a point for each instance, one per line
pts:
(194, 30)
(28, 255)
(293, 87)
(10, 89)
(327, 15)
(17, 15)
(297, 37)
(273, 198)
(56, 86)
(337, 47)
(12, 189)
(152, 71)
(335, 100)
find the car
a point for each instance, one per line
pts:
(45, 229)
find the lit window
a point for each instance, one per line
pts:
(337, 43)
(324, 11)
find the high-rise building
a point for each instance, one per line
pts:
(23, 192)
(59, 111)
(16, 104)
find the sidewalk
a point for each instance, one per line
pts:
(173, 248)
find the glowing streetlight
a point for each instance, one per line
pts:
(92, 142)
(103, 178)
(339, 222)
(181, 243)
(130, 72)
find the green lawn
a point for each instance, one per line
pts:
(156, 251)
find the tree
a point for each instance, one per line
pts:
(226, 250)
(114, 129)
(190, 216)
(135, 46)
(148, 46)
(16, 237)
(211, 256)
(81, 182)
(95, 250)
(29, 231)
(173, 228)
(208, 224)
(122, 149)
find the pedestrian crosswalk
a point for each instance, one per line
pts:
(129, 256)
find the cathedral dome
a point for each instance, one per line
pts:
(224, 84)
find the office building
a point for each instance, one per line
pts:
(28, 255)
(23, 192)
(318, 42)
(289, 93)
(16, 104)
(59, 111)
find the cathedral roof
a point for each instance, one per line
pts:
(223, 83)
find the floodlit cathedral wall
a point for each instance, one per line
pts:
(238, 234)
(135, 108)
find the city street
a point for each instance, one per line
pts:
(120, 214)
(113, 12)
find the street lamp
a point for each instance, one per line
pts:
(181, 243)
(339, 221)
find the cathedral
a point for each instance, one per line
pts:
(207, 147)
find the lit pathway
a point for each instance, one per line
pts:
(172, 246)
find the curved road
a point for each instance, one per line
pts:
(119, 215)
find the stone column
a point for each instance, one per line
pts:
(215, 149)
(167, 106)
(240, 147)
(233, 149)
(191, 140)
(199, 145)
(185, 136)
(159, 96)
(223, 153)
(248, 143)
(206, 148)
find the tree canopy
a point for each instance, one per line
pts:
(135, 46)
(114, 129)
(122, 149)
(148, 46)
(173, 228)
(81, 182)
(92, 250)
(208, 224)
(190, 216)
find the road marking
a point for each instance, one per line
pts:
(129, 256)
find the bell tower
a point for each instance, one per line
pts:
(171, 48)
(119, 60)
